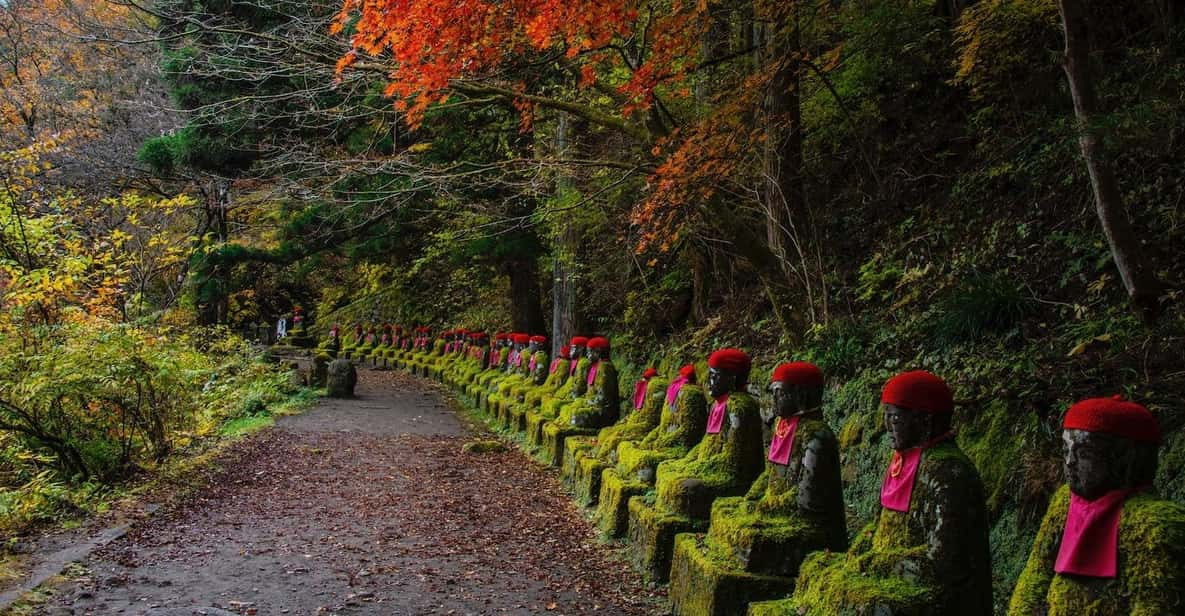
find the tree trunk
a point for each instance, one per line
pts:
(526, 310)
(784, 194)
(1142, 287)
(565, 314)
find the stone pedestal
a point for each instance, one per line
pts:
(341, 379)
(704, 584)
(652, 535)
(723, 464)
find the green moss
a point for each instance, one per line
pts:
(1151, 565)
(704, 584)
(725, 463)
(830, 583)
(484, 446)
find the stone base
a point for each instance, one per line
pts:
(575, 450)
(554, 436)
(535, 422)
(706, 582)
(781, 607)
(652, 538)
(613, 504)
(518, 418)
(588, 480)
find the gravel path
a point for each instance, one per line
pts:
(365, 506)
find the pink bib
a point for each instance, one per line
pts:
(592, 374)
(783, 440)
(572, 367)
(673, 391)
(639, 394)
(555, 362)
(716, 417)
(531, 364)
(1090, 542)
(897, 488)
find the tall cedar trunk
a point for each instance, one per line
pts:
(1142, 287)
(784, 194)
(565, 313)
(526, 311)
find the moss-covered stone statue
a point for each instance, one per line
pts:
(755, 543)
(725, 463)
(927, 551)
(571, 389)
(534, 373)
(681, 426)
(586, 458)
(556, 376)
(496, 369)
(351, 341)
(516, 373)
(1108, 545)
(332, 344)
(599, 407)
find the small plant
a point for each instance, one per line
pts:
(981, 306)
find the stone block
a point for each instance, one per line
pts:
(705, 583)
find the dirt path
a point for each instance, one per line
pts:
(365, 506)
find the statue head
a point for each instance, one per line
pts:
(728, 371)
(576, 347)
(1109, 444)
(917, 409)
(537, 342)
(688, 373)
(520, 341)
(797, 388)
(598, 349)
(649, 373)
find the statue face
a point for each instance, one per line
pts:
(722, 382)
(533, 347)
(790, 400)
(907, 429)
(1098, 463)
(576, 352)
(594, 355)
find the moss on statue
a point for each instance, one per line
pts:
(932, 559)
(720, 465)
(723, 464)
(591, 456)
(677, 432)
(549, 406)
(1151, 565)
(586, 415)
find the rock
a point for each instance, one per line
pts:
(341, 378)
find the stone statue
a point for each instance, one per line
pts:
(598, 408)
(681, 426)
(557, 376)
(586, 458)
(534, 374)
(515, 374)
(571, 389)
(341, 379)
(1108, 545)
(755, 543)
(927, 552)
(725, 463)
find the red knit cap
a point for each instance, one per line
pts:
(539, 339)
(521, 338)
(1114, 416)
(733, 360)
(919, 391)
(687, 371)
(578, 341)
(798, 373)
(564, 350)
(500, 336)
(599, 343)
(649, 373)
